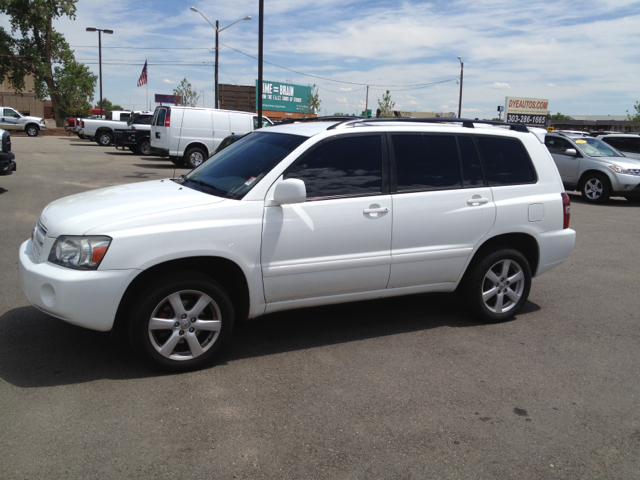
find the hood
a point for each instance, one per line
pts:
(624, 162)
(33, 119)
(77, 214)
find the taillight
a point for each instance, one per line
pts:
(167, 121)
(566, 209)
(82, 123)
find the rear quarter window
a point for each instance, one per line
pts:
(506, 161)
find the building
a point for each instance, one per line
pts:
(25, 102)
(594, 123)
(407, 114)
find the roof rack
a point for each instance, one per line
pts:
(334, 118)
(466, 122)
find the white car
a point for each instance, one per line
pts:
(11, 119)
(627, 143)
(302, 215)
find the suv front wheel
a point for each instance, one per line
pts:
(595, 188)
(181, 321)
(497, 286)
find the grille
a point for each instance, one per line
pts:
(39, 234)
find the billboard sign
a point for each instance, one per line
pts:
(529, 111)
(283, 97)
(175, 99)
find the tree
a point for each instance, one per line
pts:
(385, 106)
(313, 103)
(187, 92)
(37, 47)
(107, 106)
(634, 121)
(558, 116)
(76, 85)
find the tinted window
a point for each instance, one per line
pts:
(630, 144)
(557, 145)
(470, 161)
(426, 162)
(159, 116)
(344, 166)
(506, 161)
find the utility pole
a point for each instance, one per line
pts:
(366, 104)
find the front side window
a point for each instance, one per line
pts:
(235, 170)
(506, 161)
(557, 145)
(426, 162)
(340, 167)
(8, 112)
(159, 116)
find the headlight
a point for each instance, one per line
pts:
(81, 253)
(624, 171)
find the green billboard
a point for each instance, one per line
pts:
(283, 97)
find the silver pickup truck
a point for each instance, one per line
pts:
(103, 131)
(11, 119)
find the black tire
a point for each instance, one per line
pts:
(32, 130)
(633, 199)
(595, 188)
(194, 157)
(497, 284)
(181, 346)
(144, 147)
(104, 138)
(177, 161)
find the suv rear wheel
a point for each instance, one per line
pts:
(104, 138)
(595, 188)
(498, 285)
(181, 321)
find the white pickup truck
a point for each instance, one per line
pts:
(103, 131)
(11, 119)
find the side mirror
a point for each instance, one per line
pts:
(291, 190)
(572, 152)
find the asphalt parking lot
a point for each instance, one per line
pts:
(405, 388)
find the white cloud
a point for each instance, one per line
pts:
(501, 86)
(166, 80)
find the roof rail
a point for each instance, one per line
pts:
(466, 122)
(334, 118)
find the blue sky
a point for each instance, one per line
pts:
(581, 55)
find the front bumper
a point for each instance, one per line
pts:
(7, 164)
(87, 298)
(626, 185)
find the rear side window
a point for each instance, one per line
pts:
(343, 166)
(470, 161)
(506, 161)
(426, 162)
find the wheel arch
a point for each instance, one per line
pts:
(32, 124)
(225, 272)
(104, 130)
(586, 173)
(198, 145)
(523, 242)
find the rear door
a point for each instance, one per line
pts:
(160, 128)
(442, 207)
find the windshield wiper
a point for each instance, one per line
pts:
(199, 182)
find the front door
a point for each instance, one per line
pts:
(567, 164)
(339, 240)
(10, 119)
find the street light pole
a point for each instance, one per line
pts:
(460, 97)
(260, 45)
(100, 30)
(217, 28)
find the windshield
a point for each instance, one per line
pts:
(235, 170)
(596, 148)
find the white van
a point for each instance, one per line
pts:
(189, 135)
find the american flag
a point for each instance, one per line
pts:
(143, 76)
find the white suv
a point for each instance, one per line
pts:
(301, 215)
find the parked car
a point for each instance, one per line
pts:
(228, 140)
(594, 168)
(13, 120)
(136, 137)
(7, 157)
(302, 215)
(627, 143)
(188, 135)
(103, 131)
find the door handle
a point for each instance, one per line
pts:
(477, 200)
(368, 211)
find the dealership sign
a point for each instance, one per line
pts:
(529, 111)
(284, 97)
(175, 99)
